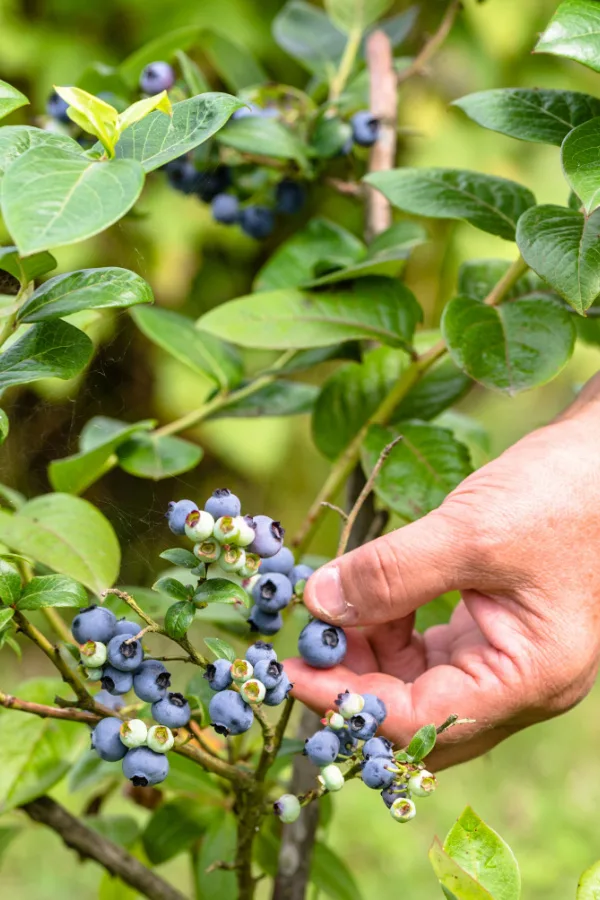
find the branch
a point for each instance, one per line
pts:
(89, 844)
(271, 747)
(431, 47)
(384, 106)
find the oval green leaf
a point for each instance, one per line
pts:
(163, 47)
(355, 15)
(589, 884)
(574, 32)
(422, 743)
(46, 350)
(185, 559)
(454, 881)
(156, 457)
(10, 583)
(178, 619)
(221, 649)
(173, 588)
(265, 137)
(281, 398)
(233, 61)
(581, 162)
(481, 852)
(4, 426)
(307, 34)
(15, 140)
(52, 590)
(174, 827)
(25, 269)
(10, 99)
(221, 590)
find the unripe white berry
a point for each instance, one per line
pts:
(241, 670)
(232, 558)
(422, 784)
(160, 739)
(332, 778)
(226, 530)
(253, 691)
(403, 810)
(199, 525)
(287, 808)
(246, 532)
(134, 733)
(207, 551)
(93, 654)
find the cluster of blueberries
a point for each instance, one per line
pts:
(357, 718)
(112, 654)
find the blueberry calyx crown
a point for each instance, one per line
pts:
(211, 671)
(222, 492)
(263, 645)
(163, 680)
(220, 729)
(128, 649)
(177, 700)
(357, 723)
(274, 668)
(268, 590)
(88, 609)
(107, 683)
(139, 781)
(330, 637)
(277, 530)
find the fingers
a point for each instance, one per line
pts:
(392, 576)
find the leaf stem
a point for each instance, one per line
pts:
(431, 47)
(338, 82)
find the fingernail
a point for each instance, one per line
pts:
(329, 599)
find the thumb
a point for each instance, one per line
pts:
(392, 576)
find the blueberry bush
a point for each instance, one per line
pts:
(229, 770)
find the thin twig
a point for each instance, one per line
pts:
(451, 721)
(338, 509)
(384, 107)
(271, 749)
(197, 732)
(348, 188)
(431, 47)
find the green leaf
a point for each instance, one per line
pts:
(330, 136)
(85, 289)
(455, 882)
(162, 47)
(10, 583)
(156, 457)
(173, 588)
(178, 618)
(331, 874)
(442, 386)
(234, 63)
(4, 426)
(15, 140)
(581, 163)
(92, 114)
(422, 743)
(355, 15)
(512, 347)
(266, 137)
(52, 590)
(563, 247)
(35, 753)
(221, 649)
(66, 534)
(320, 246)
(477, 277)
(184, 559)
(7, 835)
(574, 32)
(281, 398)
(218, 845)
(478, 850)
(10, 99)
(122, 830)
(46, 350)
(158, 139)
(542, 116)
(373, 308)
(5, 618)
(89, 771)
(178, 336)
(221, 590)
(27, 268)
(307, 34)
(420, 471)
(589, 884)
(51, 197)
(187, 777)
(174, 827)
(487, 202)
(75, 473)
(192, 74)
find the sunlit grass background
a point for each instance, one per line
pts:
(541, 790)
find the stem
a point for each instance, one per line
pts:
(431, 47)
(384, 106)
(272, 745)
(508, 281)
(338, 82)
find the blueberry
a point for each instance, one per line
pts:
(331, 777)
(365, 128)
(157, 77)
(183, 176)
(269, 537)
(289, 197)
(218, 674)
(225, 208)
(106, 740)
(124, 653)
(282, 563)
(272, 592)
(172, 711)
(134, 733)
(126, 627)
(151, 681)
(422, 783)
(322, 748)
(257, 221)
(378, 773)
(107, 700)
(287, 808)
(300, 573)
(253, 691)
(363, 726)
(264, 622)
(177, 513)
(388, 795)
(377, 746)
(199, 525)
(269, 672)
(348, 743)
(375, 706)
(115, 681)
(210, 185)
(259, 651)
(160, 739)
(321, 645)
(223, 503)
(241, 670)
(57, 108)
(403, 809)
(229, 714)
(278, 694)
(96, 623)
(144, 767)
(93, 655)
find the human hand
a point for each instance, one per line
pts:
(519, 539)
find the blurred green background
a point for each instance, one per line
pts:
(540, 790)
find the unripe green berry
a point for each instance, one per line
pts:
(403, 810)
(332, 778)
(422, 784)
(251, 565)
(93, 654)
(253, 691)
(93, 674)
(241, 670)
(333, 719)
(160, 739)
(232, 558)
(287, 808)
(299, 588)
(246, 532)
(199, 525)
(207, 551)
(350, 704)
(226, 530)
(134, 733)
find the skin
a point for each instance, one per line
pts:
(519, 540)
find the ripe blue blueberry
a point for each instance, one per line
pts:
(264, 622)
(106, 740)
(229, 714)
(278, 694)
(300, 573)
(272, 592)
(322, 748)
(218, 674)
(375, 706)
(208, 186)
(157, 77)
(269, 672)
(282, 562)
(260, 650)
(107, 700)
(225, 208)
(377, 746)
(151, 681)
(182, 175)
(257, 221)
(177, 513)
(363, 726)
(321, 645)
(96, 623)
(269, 537)
(388, 795)
(115, 681)
(172, 711)
(124, 626)
(348, 743)
(289, 197)
(144, 767)
(124, 653)
(365, 128)
(57, 108)
(223, 503)
(378, 773)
